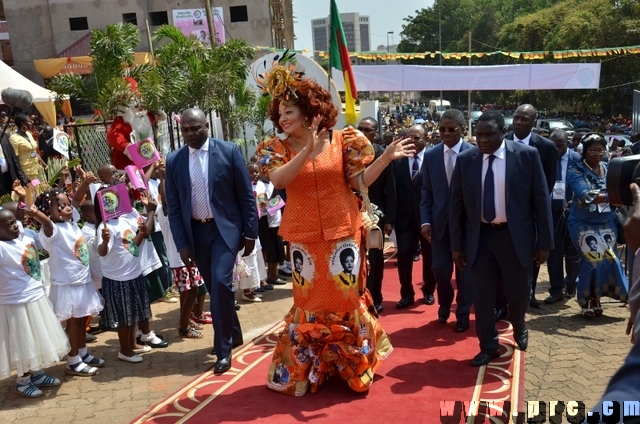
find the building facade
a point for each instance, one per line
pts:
(40, 29)
(356, 31)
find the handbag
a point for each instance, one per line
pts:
(374, 237)
(621, 218)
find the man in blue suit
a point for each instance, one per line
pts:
(563, 247)
(439, 162)
(500, 218)
(213, 215)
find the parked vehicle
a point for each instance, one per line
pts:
(546, 126)
(438, 107)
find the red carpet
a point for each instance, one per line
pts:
(430, 364)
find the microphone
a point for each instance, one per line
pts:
(19, 99)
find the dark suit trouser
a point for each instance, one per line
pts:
(215, 262)
(496, 260)
(376, 272)
(442, 266)
(564, 248)
(407, 240)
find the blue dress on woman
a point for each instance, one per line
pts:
(594, 232)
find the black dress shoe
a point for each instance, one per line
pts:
(236, 305)
(554, 298)
(483, 358)
(570, 294)
(416, 258)
(222, 365)
(522, 338)
(462, 325)
(405, 302)
(500, 314)
(429, 299)
(533, 302)
(443, 314)
(379, 308)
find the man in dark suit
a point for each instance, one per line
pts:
(407, 223)
(382, 193)
(500, 218)
(563, 247)
(524, 119)
(439, 162)
(10, 169)
(212, 213)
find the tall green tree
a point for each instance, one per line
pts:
(105, 88)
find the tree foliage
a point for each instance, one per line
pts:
(112, 53)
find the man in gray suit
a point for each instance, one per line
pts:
(500, 218)
(439, 162)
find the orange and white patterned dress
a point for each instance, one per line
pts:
(329, 330)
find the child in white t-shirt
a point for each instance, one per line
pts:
(32, 337)
(123, 285)
(72, 293)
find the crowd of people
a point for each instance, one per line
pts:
(493, 207)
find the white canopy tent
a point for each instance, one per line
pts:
(547, 76)
(43, 99)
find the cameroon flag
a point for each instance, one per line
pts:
(339, 59)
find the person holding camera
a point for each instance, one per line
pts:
(591, 220)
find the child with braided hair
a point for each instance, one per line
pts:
(31, 337)
(73, 294)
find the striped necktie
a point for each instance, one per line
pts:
(200, 195)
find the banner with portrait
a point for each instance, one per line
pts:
(194, 22)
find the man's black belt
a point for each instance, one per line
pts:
(495, 224)
(201, 221)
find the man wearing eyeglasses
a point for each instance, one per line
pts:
(382, 193)
(437, 171)
(407, 225)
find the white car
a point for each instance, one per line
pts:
(610, 137)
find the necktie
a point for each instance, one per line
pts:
(449, 166)
(200, 195)
(488, 196)
(557, 205)
(415, 171)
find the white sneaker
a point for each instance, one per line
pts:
(169, 298)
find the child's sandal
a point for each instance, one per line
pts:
(190, 333)
(44, 380)
(28, 390)
(81, 369)
(93, 361)
(195, 325)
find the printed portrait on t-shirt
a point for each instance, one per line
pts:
(129, 242)
(31, 262)
(81, 251)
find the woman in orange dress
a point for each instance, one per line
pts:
(330, 329)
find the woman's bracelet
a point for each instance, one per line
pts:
(383, 161)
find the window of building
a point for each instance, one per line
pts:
(130, 17)
(238, 14)
(158, 18)
(78, 24)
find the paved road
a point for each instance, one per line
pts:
(569, 358)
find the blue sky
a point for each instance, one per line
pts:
(385, 15)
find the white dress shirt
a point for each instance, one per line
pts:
(499, 182)
(193, 174)
(455, 148)
(4, 165)
(526, 140)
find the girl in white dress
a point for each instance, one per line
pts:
(73, 294)
(31, 336)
